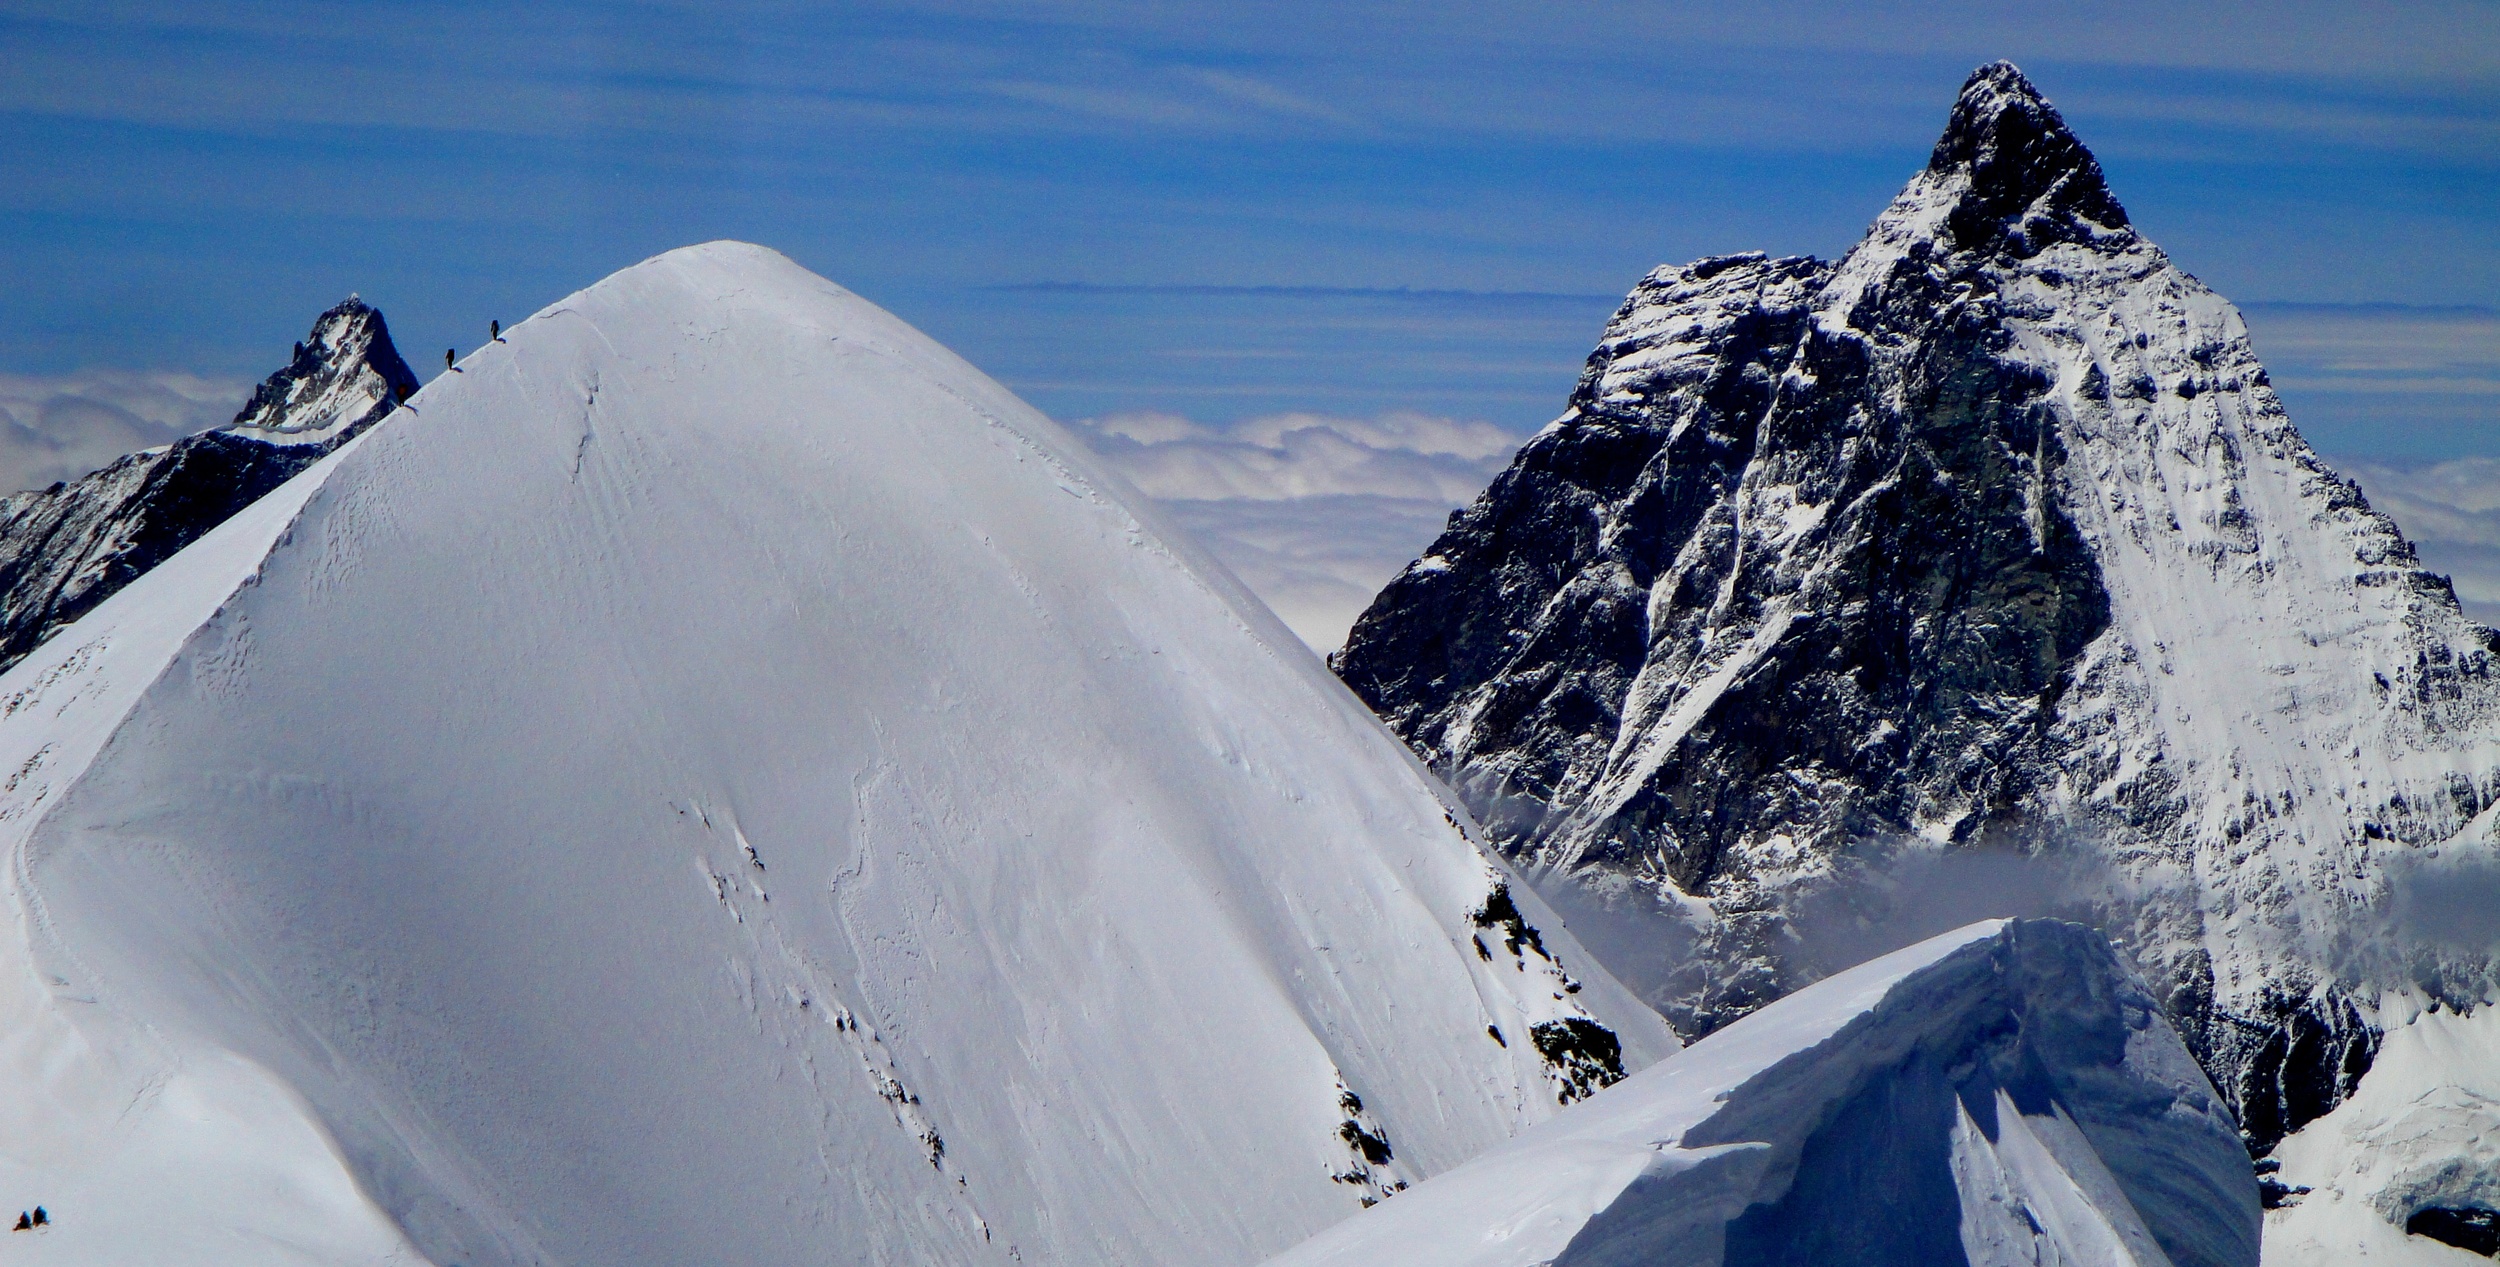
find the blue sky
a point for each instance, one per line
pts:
(186, 184)
(1219, 211)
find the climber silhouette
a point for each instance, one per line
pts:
(25, 1222)
(494, 332)
(41, 1218)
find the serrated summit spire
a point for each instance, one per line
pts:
(1991, 534)
(344, 379)
(2024, 167)
(65, 549)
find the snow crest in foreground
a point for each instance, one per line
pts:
(2005, 1094)
(718, 779)
(2416, 1147)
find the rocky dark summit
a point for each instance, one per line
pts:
(67, 548)
(1988, 537)
(2029, 180)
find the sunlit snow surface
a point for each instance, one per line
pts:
(2423, 1131)
(720, 780)
(2004, 1094)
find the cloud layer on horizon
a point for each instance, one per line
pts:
(59, 427)
(1313, 512)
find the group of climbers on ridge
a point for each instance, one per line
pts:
(494, 334)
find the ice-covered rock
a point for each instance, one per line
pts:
(1989, 536)
(2005, 1094)
(720, 780)
(344, 378)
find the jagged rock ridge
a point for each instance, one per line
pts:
(1991, 533)
(66, 548)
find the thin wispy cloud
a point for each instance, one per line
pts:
(2380, 347)
(1406, 293)
(2387, 383)
(1488, 69)
(1225, 210)
(1268, 96)
(60, 427)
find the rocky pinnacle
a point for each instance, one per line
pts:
(66, 548)
(1988, 540)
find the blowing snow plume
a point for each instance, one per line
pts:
(1884, 893)
(720, 780)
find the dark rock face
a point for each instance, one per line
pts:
(2030, 181)
(1989, 536)
(2474, 1231)
(1550, 570)
(69, 547)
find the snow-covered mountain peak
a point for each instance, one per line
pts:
(67, 548)
(1992, 535)
(2007, 181)
(342, 378)
(719, 779)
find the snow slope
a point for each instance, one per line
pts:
(719, 780)
(2007, 1093)
(2422, 1132)
(145, 1150)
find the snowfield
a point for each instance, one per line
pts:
(2005, 1094)
(2421, 1132)
(720, 780)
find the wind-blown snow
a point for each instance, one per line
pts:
(2006, 1093)
(720, 780)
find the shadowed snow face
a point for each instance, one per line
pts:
(2002, 1094)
